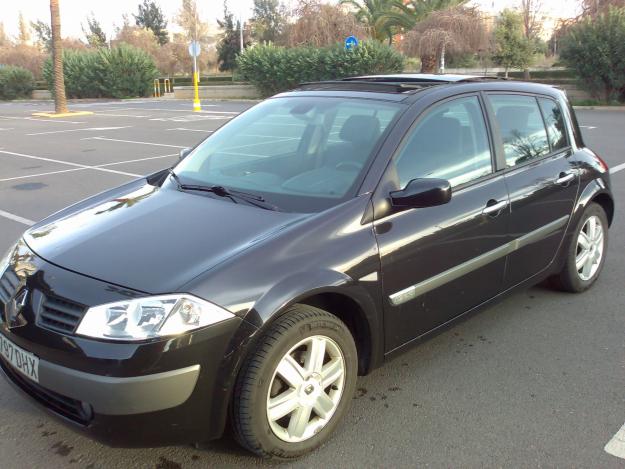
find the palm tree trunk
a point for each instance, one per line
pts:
(429, 63)
(60, 101)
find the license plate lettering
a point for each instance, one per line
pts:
(24, 362)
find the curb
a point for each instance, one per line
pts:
(600, 108)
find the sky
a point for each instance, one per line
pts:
(109, 12)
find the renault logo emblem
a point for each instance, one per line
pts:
(14, 309)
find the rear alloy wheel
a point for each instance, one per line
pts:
(586, 252)
(295, 388)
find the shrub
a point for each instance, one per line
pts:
(595, 49)
(16, 82)
(273, 69)
(120, 72)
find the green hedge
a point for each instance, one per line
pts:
(595, 49)
(543, 74)
(274, 69)
(120, 72)
(15, 82)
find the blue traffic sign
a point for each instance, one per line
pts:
(351, 42)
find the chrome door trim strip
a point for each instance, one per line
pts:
(478, 262)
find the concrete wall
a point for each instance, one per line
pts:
(41, 94)
(218, 92)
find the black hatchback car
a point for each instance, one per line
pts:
(300, 245)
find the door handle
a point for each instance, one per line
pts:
(495, 208)
(565, 178)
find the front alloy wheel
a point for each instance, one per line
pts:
(297, 384)
(306, 389)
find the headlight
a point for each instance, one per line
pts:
(149, 317)
(6, 259)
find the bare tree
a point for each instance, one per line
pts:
(531, 12)
(594, 8)
(60, 101)
(455, 30)
(319, 24)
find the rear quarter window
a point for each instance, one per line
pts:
(554, 120)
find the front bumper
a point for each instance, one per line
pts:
(159, 392)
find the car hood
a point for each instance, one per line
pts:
(149, 238)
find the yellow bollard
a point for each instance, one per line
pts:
(157, 88)
(167, 85)
(197, 107)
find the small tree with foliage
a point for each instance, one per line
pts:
(595, 49)
(94, 33)
(269, 18)
(512, 48)
(229, 44)
(43, 34)
(150, 16)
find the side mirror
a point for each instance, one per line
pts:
(183, 153)
(421, 193)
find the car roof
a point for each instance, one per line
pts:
(416, 77)
(409, 87)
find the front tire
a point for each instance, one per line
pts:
(296, 386)
(586, 253)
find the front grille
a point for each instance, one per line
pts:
(60, 315)
(65, 406)
(8, 285)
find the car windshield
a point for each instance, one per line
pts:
(301, 154)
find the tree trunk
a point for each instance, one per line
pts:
(506, 75)
(429, 63)
(526, 74)
(60, 101)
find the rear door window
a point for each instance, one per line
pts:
(521, 126)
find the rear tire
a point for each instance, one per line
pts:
(296, 386)
(586, 253)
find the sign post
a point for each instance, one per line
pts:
(194, 51)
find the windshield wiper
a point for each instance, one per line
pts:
(221, 191)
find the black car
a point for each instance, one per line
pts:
(300, 245)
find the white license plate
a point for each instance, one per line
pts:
(23, 361)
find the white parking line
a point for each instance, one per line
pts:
(617, 168)
(59, 121)
(132, 141)
(190, 130)
(180, 110)
(76, 165)
(616, 446)
(77, 130)
(104, 114)
(96, 167)
(17, 218)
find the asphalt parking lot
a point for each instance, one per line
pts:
(538, 380)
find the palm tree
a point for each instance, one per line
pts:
(60, 101)
(422, 8)
(384, 18)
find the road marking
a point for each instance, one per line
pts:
(76, 165)
(49, 173)
(191, 118)
(105, 114)
(60, 121)
(616, 446)
(132, 141)
(17, 218)
(181, 110)
(190, 130)
(589, 127)
(6, 128)
(617, 168)
(77, 130)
